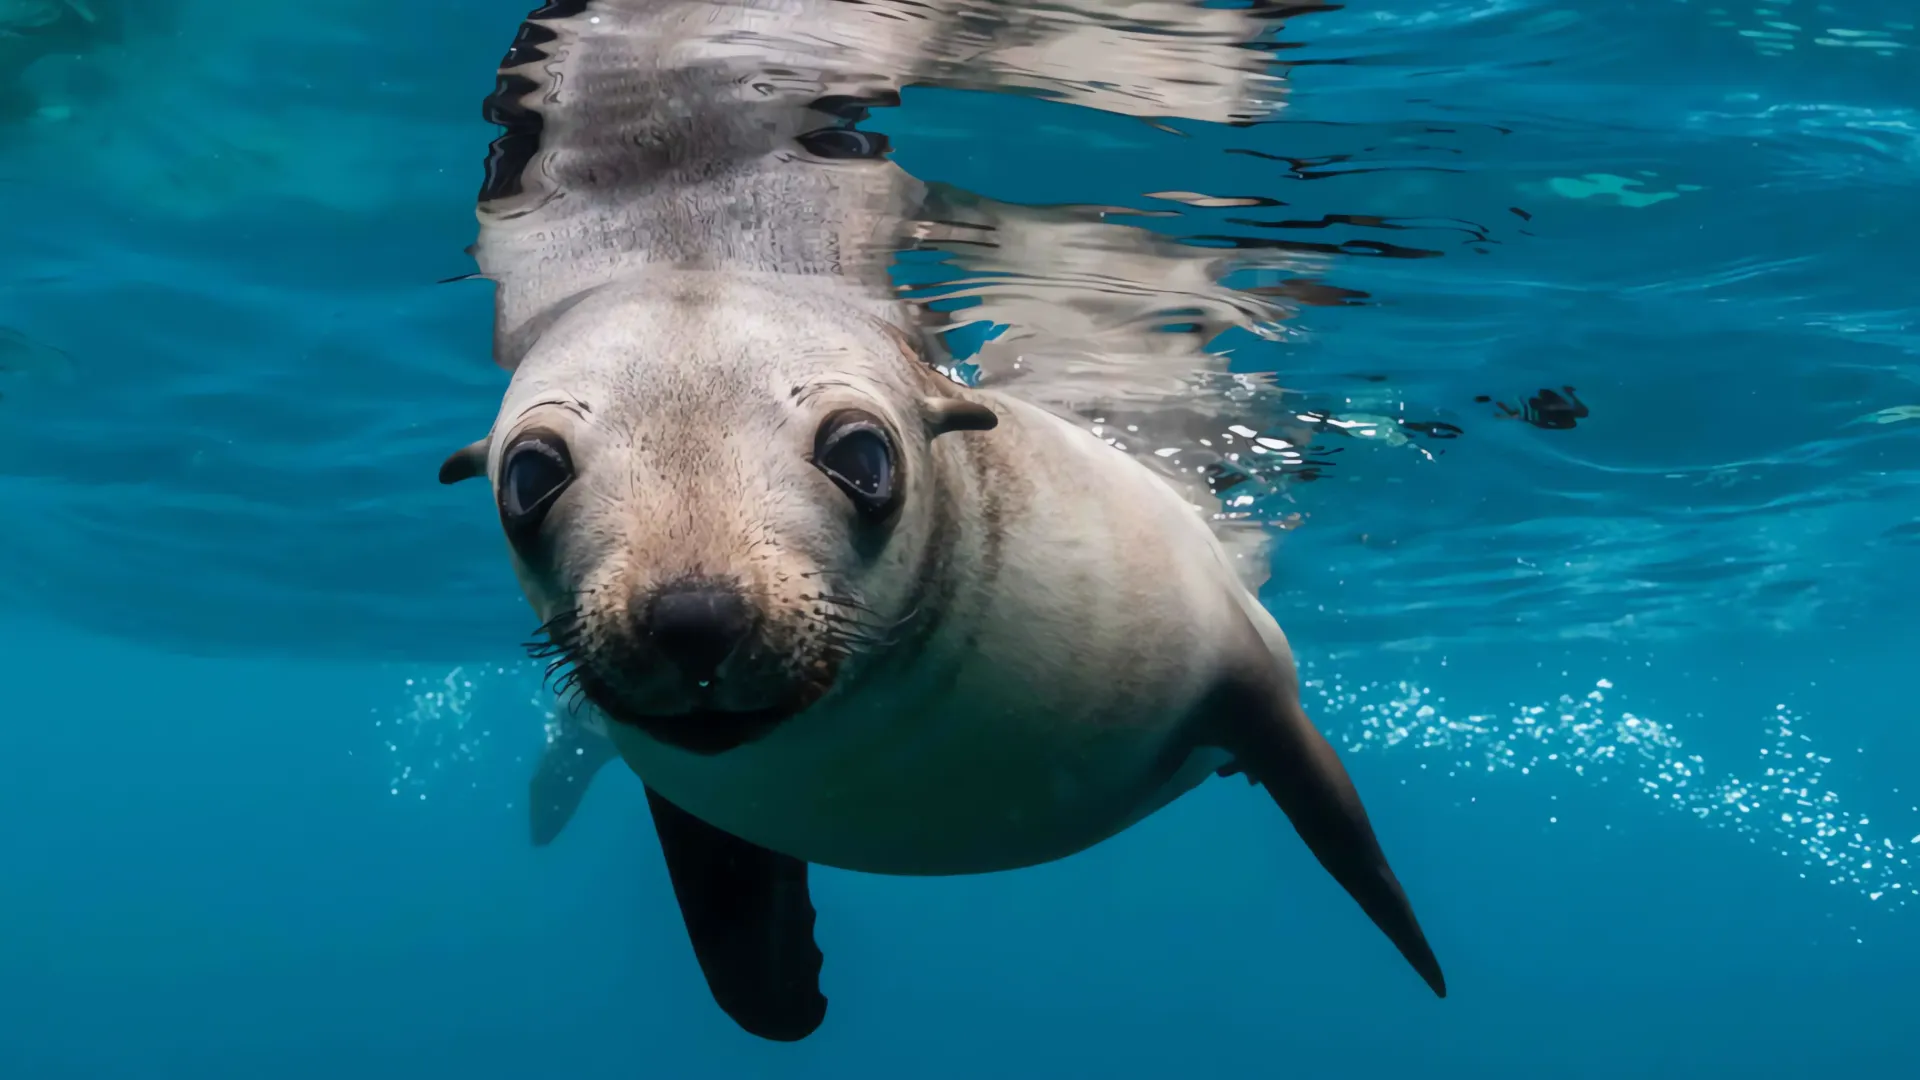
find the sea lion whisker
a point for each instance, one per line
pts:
(842, 600)
(864, 629)
(838, 619)
(562, 676)
(842, 617)
(861, 637)
(854, 635)
(561, 634)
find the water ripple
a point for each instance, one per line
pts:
(1409, 210)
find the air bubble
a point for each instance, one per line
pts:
(1785, 804)
(1597, 744)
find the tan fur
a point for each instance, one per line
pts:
(1025, 642)
(667, 262)
(1087, 607)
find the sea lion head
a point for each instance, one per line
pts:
(718, 498)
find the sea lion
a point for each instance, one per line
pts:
(836, 605)
(1071, 288)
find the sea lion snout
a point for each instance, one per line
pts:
(699, 662)
(696, 626)
(692, 644)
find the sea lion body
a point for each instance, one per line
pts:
(1047, 698)
(1043, 697)
(830, 603)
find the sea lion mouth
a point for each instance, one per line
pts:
(705, 731)
(704, 717)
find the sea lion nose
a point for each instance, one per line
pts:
(698, 627)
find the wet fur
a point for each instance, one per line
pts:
(1051, 641)
(1079, 649)
(1061, 609)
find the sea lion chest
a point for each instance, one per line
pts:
(989, 771)
(1051, 709)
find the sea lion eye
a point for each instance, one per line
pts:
(855, 452)
(538, 468)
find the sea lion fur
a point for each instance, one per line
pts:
(1006, 643)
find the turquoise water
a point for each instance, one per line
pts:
(1629, 700)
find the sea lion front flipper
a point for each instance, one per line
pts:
(1261, 723)
(573, 756)
(751, 921)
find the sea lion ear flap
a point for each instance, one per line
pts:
(465, 463)
(943, 414)
(957, 414)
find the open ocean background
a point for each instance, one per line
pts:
(1633, 704)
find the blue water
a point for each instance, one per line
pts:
(1631, 702)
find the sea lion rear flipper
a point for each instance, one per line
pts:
(1260, 721)
(751, 922)
(572, 757)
